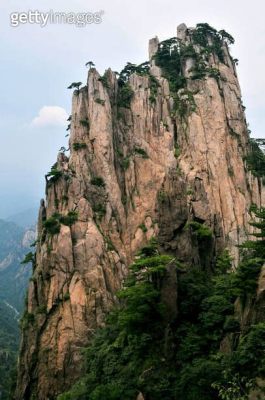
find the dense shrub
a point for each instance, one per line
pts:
(100, 101)
(84, 122)
(97, 181)
(54, 174)
(249, 357)
(125, 95)
(29, 258)
(79, 146)
(100, 210)
(52, 225)
(201, 230)
(169, 60)
(201, 37)
(256, 159)
(69, 219)
(141, 152)
(104, 80)
(125, 163)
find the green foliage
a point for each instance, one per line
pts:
(161, 196)
(223, 263)
(141, 152)
(78, 391)
(69, 219)
(125, 163)
(168, 58)
(206, 311)
(84, 122)
(110, 245)
(66, 296)
(227, 37)
(52, 225)
(75, 85)
(100, 210)
(201, 37)
(231, 171)
(213, 72)
(97, 181)
(125, 95)
(256, 159)
(100, 101)
(27, 320)
(184, 103)
(65, 199)
(249, 357)
(104, 80)
(89, 64)
(201, 34)
(217, 307)
(143, 227)
(79, 146)
(234, 387)
(154, 85)
(129, 69)
(187, 51)
(54, 174)
(34, 244)
(9, 343)
(195, 377)
(247, 276)
(41, 310)
(177, 151)
(257, 248)
(249, 269)
(29, 258)
(202, 231)
(171, 53)
(259, 213)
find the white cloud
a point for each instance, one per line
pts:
(50, 116)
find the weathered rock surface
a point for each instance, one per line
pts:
(143, 194)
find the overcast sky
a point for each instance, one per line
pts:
(37, 64)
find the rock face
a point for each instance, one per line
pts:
(135, 171)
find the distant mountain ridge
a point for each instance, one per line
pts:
(14, 244)
(24, 219)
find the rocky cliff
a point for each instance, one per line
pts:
(160, 146)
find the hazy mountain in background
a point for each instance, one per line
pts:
(15, 242)
(25, 219)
